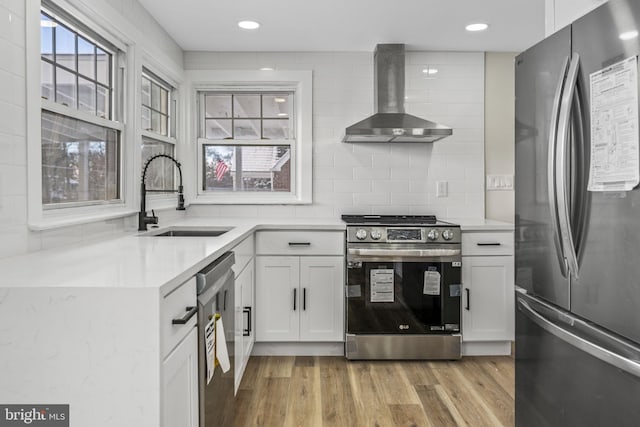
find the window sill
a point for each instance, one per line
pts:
(53, 220)
(250, 199)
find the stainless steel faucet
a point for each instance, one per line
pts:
(143, 218)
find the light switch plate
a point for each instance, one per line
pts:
(499, 182)
(442, 189)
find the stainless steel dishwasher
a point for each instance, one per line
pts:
(215, 287)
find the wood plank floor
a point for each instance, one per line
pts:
(332, 391)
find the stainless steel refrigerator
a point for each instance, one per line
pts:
(578, 229)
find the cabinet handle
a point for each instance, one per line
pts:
(247, 332)
(294, 299)
(299, 243)
(304, 299)
(191, 311)
(468, 306)
(489, 244)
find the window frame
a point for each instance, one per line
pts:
(234, 81)
(91, 27)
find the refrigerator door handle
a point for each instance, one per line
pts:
(564, 121)
(551, 170)
(631, 366)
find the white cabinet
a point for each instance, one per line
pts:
(299, 286)
(488, 292)
(180, 384)
(244, 307)
(179, 369)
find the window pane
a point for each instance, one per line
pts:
(276, 129)
(217, 129)
(246, 106)
(164, 120)
(246, 129)
(146, 118)
(161, 172)
(155, 96)
(46, 85)
(164, 106)
(103, 62)
(146, 92)
(65, 88)
(86, 58)
(79, 161)
(86, 95)
(46, 37)
(65, 47)
(247, 168)
(104, 103)
(155, 121)
(276, 106)
(217, 106)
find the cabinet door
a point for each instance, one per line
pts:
(488, 310)
(248, 319)
(277, 298)
(322, 298)
(238, 352)
(180, 384)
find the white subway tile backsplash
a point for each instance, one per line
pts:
(351, 186)
(371, 199)
(389, 187)
(12, 28)
(12, 58)
(371, 173)
(12, 119)
(12, 150)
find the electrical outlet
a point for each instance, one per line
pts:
(442, 189)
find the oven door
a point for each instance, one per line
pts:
(402, 291)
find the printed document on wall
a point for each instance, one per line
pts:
(614, 127)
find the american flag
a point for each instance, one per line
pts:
(221, 169)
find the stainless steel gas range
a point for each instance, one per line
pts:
(403, 288)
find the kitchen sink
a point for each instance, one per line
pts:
(188, 232)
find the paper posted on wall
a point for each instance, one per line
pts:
(382, 285)
(615, 165)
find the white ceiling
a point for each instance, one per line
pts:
(350, 25)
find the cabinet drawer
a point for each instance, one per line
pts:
(300, 242)
(244, 253)
(487, 243)
(174, 306)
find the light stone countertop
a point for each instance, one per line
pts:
(136, 261)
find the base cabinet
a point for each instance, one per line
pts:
(300, 298)
(180, 384)
(488, 293)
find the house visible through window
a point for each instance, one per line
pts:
(247, 141)
(80, 136)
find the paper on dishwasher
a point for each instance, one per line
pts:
(222, 354)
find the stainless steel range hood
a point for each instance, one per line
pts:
(391, 123)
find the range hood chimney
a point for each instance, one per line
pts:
(391, 123)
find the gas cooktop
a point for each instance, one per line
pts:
(393, 219)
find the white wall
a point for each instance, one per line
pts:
(379, 178)
(560, 13)
(135, 24)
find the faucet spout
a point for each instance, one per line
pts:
(143, 218)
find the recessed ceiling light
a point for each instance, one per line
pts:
(628, 35)
(282, 114)
(476, 27)
(266, 69)
(248, 25)
(430, 71)
(280, 100)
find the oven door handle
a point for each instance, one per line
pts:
(364, 252)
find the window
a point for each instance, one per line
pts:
(249, 138)
(158, 130)
(80, 137)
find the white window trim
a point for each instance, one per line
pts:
(157, 71)
(302, 148)
(40, 218)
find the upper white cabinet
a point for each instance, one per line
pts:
(488, 289)
(299, 286)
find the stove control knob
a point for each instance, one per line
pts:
(376, 234)
(361, 234)
(433, 234)
(447, 234)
